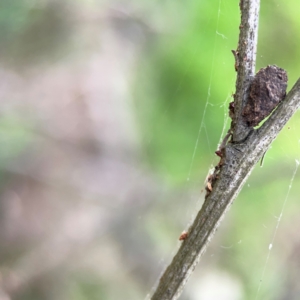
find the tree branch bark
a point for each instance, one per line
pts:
(238, 158)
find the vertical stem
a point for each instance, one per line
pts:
(245, 63)
(230, 181)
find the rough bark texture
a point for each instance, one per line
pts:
(238, 158)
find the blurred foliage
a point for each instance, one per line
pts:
(14, 138)
(182, 85)
(33, 31)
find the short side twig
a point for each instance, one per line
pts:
(245, 59)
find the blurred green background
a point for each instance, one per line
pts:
(110, 115)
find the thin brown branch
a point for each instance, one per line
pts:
(238, 158)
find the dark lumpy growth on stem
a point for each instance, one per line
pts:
(267, 90)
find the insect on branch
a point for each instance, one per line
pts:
(240, 150)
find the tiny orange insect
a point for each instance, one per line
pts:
(209, 186)
(183, 236)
